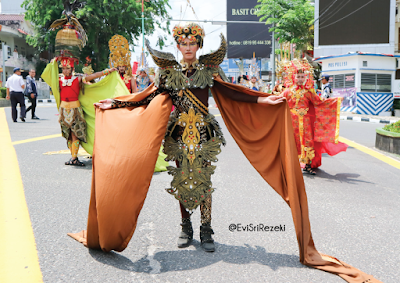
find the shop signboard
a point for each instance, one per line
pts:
(245, 39)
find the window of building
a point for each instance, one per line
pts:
(376, 82)
(343, 80)
(365, 64)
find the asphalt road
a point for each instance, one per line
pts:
(353, 200)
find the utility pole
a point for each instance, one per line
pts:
(142, 22)
(273, 60)
(3, 48)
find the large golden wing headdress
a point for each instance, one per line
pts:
(171, 70)
(216, 57)
(162, 59)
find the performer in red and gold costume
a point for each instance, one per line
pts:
(315, 120)
(120, 58)
(69, 42)
(71, 119)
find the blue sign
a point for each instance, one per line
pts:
(337, 64)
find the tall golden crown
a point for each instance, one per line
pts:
(120, 55)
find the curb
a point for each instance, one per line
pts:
(43, 101)
(364, 119)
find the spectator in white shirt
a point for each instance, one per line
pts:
(15, 91)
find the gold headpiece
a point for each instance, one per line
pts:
(290, 68)
(66, 62)
(120, 55)
(88, 70)
(194, 32)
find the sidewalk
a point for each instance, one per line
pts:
(42, 100)
(368, 118)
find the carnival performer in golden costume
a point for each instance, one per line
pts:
(120, 58)
(130, 129)
(315, 120)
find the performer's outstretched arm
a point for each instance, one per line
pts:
(115, 103)
(99, 74)
(239, 96)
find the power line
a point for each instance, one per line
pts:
(190, 5)
(334, 13)
(182, 15)
(347, 15)
(218, 14)
(214, 30)
(327, 9)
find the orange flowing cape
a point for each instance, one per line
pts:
(127, 142)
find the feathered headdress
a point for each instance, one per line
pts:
(240, 65)
(72, 33)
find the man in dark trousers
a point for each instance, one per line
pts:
(31, 92)
(15, 91)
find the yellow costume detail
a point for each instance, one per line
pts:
(191, 135)
(75, 149)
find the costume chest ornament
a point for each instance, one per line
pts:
(298, 94)
(191, 135)
(67, 82)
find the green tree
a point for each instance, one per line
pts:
(101, 19)
(292, 21)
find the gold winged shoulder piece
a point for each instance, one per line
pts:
(170, 75)
(217, 57)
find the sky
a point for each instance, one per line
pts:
(205, 10)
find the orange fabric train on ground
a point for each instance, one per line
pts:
(127, 140)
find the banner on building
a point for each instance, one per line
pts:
(244, 39)
(349, 96)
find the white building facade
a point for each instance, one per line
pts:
(364, 80)
(367, 76)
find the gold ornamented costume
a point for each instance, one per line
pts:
(193, 137)
(264, 133)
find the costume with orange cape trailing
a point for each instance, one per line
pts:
(124, 159)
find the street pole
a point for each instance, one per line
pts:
(273, 61)
(143, 25)
(3, 47)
